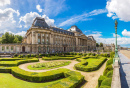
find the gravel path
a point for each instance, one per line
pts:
(91, 77)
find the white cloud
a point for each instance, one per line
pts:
(119, 9)
(54, 7)
(82, 17)
(114, 35)
(7, 14)
(125, 33)
(38, 7)
(29, 17)
(21, 33)
(123, 41)
(7, 19)
(49, 21)
(4, 2)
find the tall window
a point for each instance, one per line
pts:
(12, 48)
(38, 41)
(7, 48)
(46, 40)
(42, 40)
(3, 48)
(46, 35)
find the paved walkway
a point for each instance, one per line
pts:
(124, 71)
(90, 77)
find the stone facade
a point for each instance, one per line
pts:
(41, 38)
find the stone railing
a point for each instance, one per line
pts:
(116, 76)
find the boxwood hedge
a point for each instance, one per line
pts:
(94, 66)
(17, 62)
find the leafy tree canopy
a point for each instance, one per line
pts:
(10, 38)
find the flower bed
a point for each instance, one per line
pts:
(58, 58)
(48, 65)
(83, 65)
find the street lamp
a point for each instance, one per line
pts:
(116, 49)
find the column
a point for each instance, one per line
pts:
(41, 39)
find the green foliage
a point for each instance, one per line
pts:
(107, 69)
(101, 45)
(112, 54)
(97, 45)
(58, 58)
(15, 55)
(105, 87)
(5, 62)
(94, 66)
(10, 38)
(106, 82)
(109, 62)
(101, 78)
(109, 74)
(73, 80)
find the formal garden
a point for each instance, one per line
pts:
(62, 70)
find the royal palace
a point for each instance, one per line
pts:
(41, 38)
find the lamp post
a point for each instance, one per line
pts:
(116, 49)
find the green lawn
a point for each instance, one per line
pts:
(9, 81)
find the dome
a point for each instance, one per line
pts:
(75, 29)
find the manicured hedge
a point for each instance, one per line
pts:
(67, 75)
(107, 75)
(9, 59)
(101, 78)
(5, 69)
(17, 62)
(94, 66)
(58, 58)
(109, 62)
(73, 80)
(107, 69)
(106, 82)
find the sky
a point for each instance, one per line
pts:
(93, 17)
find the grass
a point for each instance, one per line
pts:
(52, 65)
(9, 81)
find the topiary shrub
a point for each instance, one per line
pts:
(110, 74)
(28, 55)
(107, 69)
(32, 55)
(106, 82)
(101, 78)
(105, 87)
(15, 55)
(109, 62)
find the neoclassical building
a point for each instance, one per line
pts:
(41, 38)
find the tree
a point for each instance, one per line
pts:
(101, 45)
(97, 45)
(15, 40)
(10, 38)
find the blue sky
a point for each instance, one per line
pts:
(93, 17)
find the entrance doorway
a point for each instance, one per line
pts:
(64, 49)
(23, 48)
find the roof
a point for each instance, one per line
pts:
(40, 22)
(75, 29)
(59, 30)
